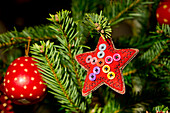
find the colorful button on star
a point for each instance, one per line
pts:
(109, 59)
(96, 70)
(111, 75)
(100, 62)
(88, 59)
(92, 76)
(116, 57)
(104, 65)
(106, 68)
(93, 60)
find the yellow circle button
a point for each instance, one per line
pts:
(106, 68)
(111, 75)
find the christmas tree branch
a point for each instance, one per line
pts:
(69, 71)
(36, 33)
(118, 11)
(158, 48)
(99, 23)
(160, 108)
(130, 72)
(154, 52)
(57, 77)
(7, 44)
(135, 70)
(125, 10)
(137, 102)
(67, 40)
(74, 68)
(163, 30)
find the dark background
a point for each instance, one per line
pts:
(25, 13)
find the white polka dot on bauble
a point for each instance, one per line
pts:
(15, 79)
(32, 78)
(14, 64)
(14, 71)
(40, 82)
(34, 87)
(35, 71)
(6, 90)
(8, 81)
(7, 73)
(21, 65)
(26, 70)
(21, 95)
(44, 89)
(25, 87)
(13, 89)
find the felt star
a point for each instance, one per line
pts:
(104, 65)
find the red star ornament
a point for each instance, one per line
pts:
(104, 65)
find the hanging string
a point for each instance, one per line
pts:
(27, 47)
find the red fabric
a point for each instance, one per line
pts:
(117, 84)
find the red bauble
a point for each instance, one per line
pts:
(23, 83)
(163, 13)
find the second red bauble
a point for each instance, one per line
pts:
(163, 13)
(23, 83)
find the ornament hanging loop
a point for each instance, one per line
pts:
(27, 47)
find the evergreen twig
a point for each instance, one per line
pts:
(68, 36)
(160, 49)
(74, 68)
(125, 10)
(37, 33)
(57, 79)
(99, 23)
